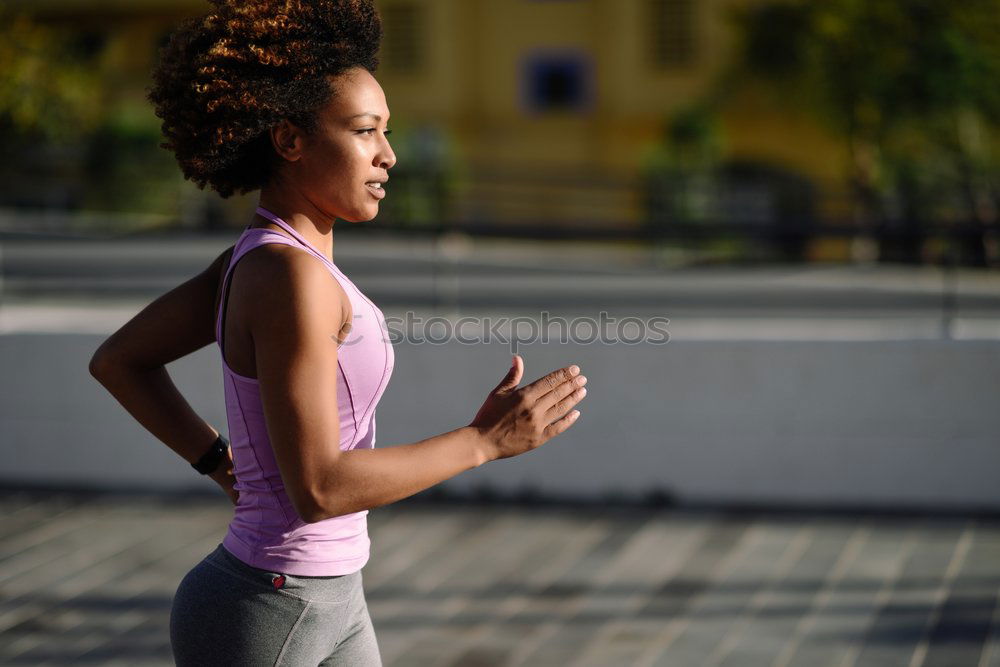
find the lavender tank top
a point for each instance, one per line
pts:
(266, 532)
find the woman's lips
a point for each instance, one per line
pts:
(378, 193)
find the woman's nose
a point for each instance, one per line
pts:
(387, 158)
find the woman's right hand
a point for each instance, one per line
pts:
(515, 420)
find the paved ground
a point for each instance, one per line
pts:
(89, 580)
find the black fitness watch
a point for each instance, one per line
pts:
(211, 459)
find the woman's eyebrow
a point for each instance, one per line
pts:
(362, 115)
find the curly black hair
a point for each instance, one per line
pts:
(223, 80)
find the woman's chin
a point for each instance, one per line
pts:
(367, 216)
(359, 216)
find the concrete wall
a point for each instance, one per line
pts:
(836, 423)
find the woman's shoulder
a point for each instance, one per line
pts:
(278, 277)
(275, 258)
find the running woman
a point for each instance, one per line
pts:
(280, 97)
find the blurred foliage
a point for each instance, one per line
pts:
(46, 89)
(425, 178)
(912, 88)
(864, 65)
(693, 138)
(680, 170)
(716, 209)
(74, 142)
(124, 168)
(79, 139)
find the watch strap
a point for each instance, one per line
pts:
(210, 460)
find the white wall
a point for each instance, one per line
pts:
(838, 423)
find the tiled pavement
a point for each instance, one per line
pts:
(88, 580)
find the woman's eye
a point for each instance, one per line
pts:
(372, 129)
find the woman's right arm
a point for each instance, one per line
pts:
(294, 332)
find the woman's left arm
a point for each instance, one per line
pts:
(131, 364)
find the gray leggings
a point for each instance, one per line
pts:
(226, 612)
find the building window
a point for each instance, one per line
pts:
(557, 82)
(403, 48)
(672, 33)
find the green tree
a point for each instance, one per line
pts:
(46, 91)
(70, 141)
(907, 84)
(680, 170)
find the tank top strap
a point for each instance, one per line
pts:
(252, 237)
(338, 274)
(298, 237)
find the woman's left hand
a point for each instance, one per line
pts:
(225, 478)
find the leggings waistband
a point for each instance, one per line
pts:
(332, 588)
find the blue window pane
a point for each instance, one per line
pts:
(557, 82)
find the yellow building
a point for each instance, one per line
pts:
(549, 108)
(559, 87)
(470, 64)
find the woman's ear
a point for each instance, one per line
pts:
(287, 139)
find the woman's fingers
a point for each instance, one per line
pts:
(560, 425)
(560, 400)
(561, 391)
(543, 385)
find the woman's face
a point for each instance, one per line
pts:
(344, 161)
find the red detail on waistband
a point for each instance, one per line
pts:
(278, 581)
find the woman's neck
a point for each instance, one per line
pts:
(300, 214)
